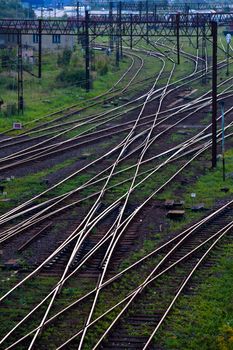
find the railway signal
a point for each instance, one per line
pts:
(228, 40)
(178, 37)
(39, 48)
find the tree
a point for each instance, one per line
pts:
(14, 9)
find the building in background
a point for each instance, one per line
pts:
(30, 41)
(49, 42)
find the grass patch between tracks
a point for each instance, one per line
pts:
(208, 189)
(205, 320)
(23, 188)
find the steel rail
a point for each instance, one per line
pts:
(115, 236)
(83, 236)
(39, 156)
(106, 154)
(91, 99)
(139, 290)
(227, 111)
(121, 273)
(19, 136)
(221, 94)
(3, 140)
(143, 285)
(225, 230)
(52, 145)
(128, 139)
(189, 161)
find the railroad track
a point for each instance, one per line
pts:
(188, 254)
(69, 112)
(33, 153)
(126, 87)
(146, 312)
(104, 235)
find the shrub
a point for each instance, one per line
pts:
(72, 76)
(64, 58)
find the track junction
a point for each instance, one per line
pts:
(96, 296)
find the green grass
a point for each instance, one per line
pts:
(205, 321)
(43, 96)
(208, 187)
(23, 300)
(208, 191)
(23, 188)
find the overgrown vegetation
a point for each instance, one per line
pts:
(62, 83)
(73, 69)
(14, 9)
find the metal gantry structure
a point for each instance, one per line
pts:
(160, 6)
(121, 27)
(103, 25)
(118, 27)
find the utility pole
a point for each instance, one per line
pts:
(20, 75)
(204, 58)
(197, 45)
(87, 51)
(214, 27)
(111, 26)
(178, 37)
(131, 31)
(40, 49)
(117, 39)
(120, 29)
(77, 15)
(77, 11)
(147, 19)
